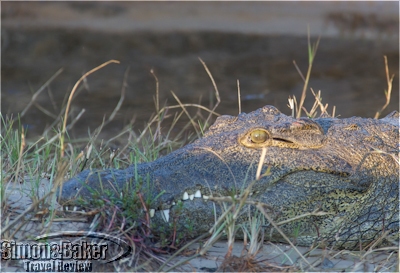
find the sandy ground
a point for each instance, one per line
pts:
(327, 19)
(275, 256)
(273, 18)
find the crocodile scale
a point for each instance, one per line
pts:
(347, 168)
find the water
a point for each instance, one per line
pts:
(348, 69)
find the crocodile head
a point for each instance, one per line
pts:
(309, 164)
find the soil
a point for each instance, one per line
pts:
(255, 43)
(273, 257)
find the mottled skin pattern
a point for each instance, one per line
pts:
(345, 167)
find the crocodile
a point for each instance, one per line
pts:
(346, 168)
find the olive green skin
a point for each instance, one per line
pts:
(345, 168)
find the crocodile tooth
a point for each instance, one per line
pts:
(197, 194)
(75, 208)
(152, 211)
(185, 196)
(165, 215)
(66, 208)
(205, 197)
(191, 197)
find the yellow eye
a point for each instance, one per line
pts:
(259, 136)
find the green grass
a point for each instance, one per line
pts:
(55, 158)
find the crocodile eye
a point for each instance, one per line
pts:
(259, 136)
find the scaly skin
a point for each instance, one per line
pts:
(345, 167)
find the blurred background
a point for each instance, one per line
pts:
(253, 42)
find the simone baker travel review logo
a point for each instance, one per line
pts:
(56, 252)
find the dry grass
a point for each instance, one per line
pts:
(55, 158)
